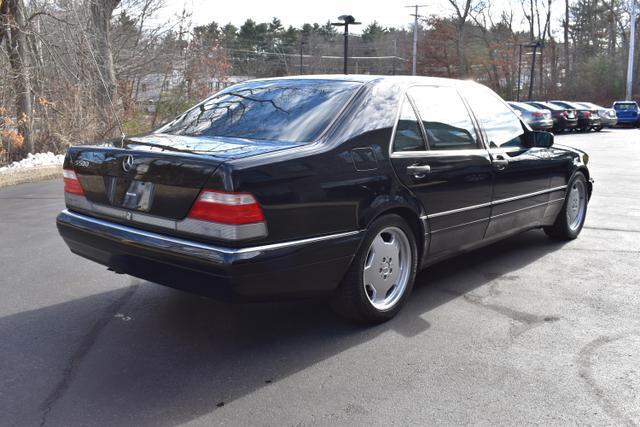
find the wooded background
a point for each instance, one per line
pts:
(78, 71)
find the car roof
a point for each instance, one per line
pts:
(366, 78)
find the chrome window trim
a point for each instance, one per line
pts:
(214, 248)
(438, 153)
(482, 146)
(499, 202)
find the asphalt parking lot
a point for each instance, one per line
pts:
(527, 331)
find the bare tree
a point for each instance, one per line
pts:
(462, 13)
(101, 11)
(14, 31)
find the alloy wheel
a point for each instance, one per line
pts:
(387, 268)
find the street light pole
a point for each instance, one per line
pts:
(346, 48)
(632, 45)
(346, 21)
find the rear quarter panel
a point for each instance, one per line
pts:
(337, 184)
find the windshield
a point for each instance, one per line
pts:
(277, 110)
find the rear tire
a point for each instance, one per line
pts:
(571, 218)
(381, 275)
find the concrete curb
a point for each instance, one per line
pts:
(32, 174)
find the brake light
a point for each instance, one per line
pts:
(586, 113)
(71, 183)
(537, 114)
(226, 208)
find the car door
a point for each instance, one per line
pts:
(521, 185)
(437, 154)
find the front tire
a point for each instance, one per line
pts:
(571, 218)
(382, 274)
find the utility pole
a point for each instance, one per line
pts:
(301, 44)
(395, 55)
(346, 21)
(415, 36)
(519, 72)
(533, 70)
(632, 46)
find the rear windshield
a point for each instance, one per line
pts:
(570, 105)
(278, 110)
(625, 106)
(524, 107)
(550, 106)
(591, 106)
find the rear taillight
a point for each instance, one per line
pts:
(71, 183)
(586, 113)
(226, 208)
(564, 114)
(537, 114)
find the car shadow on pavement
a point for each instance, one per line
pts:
(165, 357)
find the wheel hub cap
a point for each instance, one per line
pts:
(387, 268)
(576, 205)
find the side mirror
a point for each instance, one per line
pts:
(541, 139)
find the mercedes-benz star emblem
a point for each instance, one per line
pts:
(127, 163)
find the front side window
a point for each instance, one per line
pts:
(501, 125)
(277, 110)
(408, 135)
(445, 118)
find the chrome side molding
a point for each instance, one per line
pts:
(497, 202)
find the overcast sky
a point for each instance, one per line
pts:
(389, 13)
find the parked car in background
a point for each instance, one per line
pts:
(608, 116)
(586, 120)
(537, 118)
(627, 112)
(342, 186)
(563, 118)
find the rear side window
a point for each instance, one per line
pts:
(408, 135)
(501, 125)
(445, 118)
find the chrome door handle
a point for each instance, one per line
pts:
(418, 171)
(500, 163)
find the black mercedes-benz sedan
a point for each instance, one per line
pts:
(335, 186)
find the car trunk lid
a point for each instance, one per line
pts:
(159, 175)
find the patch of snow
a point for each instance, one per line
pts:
(38, 159)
